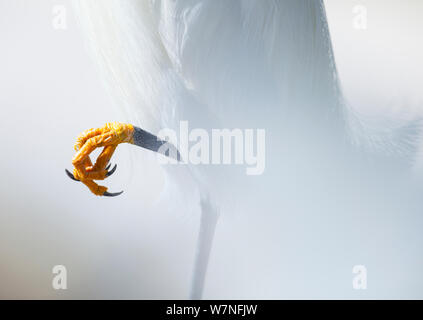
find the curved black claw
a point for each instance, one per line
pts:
(112, 194)
(70, 175)
(108, 166)
(109, 173)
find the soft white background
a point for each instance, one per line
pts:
(125, 247)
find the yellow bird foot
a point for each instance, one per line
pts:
(108, 137)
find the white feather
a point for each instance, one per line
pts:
(238, 64)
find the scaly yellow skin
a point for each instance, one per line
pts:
(108, 136)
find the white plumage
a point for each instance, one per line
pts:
(245, 64)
